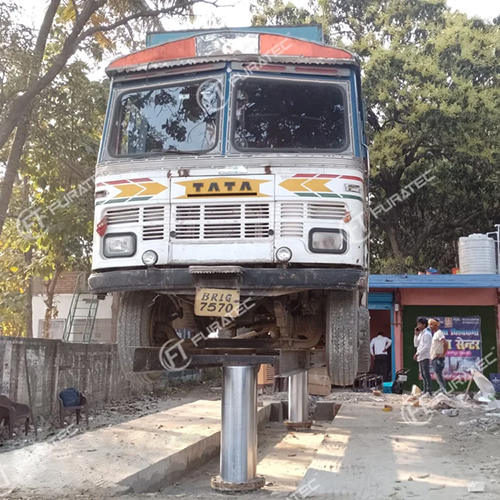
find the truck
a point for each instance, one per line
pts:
(231, 203)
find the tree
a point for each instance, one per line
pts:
(58, 166)
(74, 24)
(431, 82)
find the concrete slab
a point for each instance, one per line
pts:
(141, 455)
(368, 454)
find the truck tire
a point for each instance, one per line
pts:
(136, 319)
(364, 357)
(341, 339)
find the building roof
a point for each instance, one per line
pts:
(391, 281)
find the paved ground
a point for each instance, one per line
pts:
(369, 454)
(366, 454)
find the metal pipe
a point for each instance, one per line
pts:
(298, 408)
(238, 459)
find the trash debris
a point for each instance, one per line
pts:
(387, 408)
(416, 391)
(451, 412)
(485, 386)
(423, 476)
(475, 487)
(442, 402)
(376, 392)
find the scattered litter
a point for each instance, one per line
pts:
(442, 487)
(485, 386)
(410, 479)
(442, 402)
(416, 391)
(475, 487)
(451, 412)
(424, 476)
(377, 400)
(387, 408)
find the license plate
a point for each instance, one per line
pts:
(217, 302)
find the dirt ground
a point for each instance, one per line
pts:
(114, 413)
(446, 453)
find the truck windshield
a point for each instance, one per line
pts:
(289, 115)
(168, 119)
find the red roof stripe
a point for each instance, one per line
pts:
(180, 49)
(144, 179)
(285, 46)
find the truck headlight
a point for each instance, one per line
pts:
(327, 240)
(119, 245)
(283, 254)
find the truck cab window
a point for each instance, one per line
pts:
(289, 115)
(180, 118)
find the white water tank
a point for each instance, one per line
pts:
(476, 254)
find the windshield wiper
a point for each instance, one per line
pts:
(174, 151)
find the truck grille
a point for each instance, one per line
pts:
(291, 216)
(222, 221)
(151, 218)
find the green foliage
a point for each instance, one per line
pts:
(431, 83)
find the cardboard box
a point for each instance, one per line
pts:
(319, 382)
(265, 375)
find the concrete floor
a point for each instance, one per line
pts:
(364, 454)
(368, 454)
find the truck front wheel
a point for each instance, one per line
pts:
(143, 321)
(341, 340)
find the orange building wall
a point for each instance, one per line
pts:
(448, 296)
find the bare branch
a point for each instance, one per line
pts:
(141, 14)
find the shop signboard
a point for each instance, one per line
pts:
(463, 335)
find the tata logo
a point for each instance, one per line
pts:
(222, 186)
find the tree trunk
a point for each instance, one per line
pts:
(28, 297)
(23, 116)
(49, 301)
(28, 256)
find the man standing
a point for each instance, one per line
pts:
(439, 347)
(378, 349)
(422, 341)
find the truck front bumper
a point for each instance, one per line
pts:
(251, 281)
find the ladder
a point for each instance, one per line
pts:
(80, 323)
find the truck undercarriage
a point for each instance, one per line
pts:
(301, 317)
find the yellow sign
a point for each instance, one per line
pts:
(217, 302)
(222, 187)
(140, 189)
(297, 184)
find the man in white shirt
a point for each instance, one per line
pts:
(378, 349)
(422, 341)
(439, 347)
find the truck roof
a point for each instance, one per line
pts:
(224, 45)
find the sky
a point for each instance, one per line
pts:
(237, 13)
